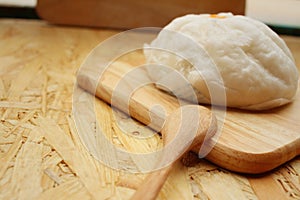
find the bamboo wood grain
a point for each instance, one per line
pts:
(249, 142)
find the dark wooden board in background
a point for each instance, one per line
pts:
(129, 13)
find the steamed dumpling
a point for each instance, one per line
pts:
(256, 66)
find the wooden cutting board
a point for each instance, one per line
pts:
(129, 13)
(248, 142)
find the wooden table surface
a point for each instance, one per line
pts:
(41, 156)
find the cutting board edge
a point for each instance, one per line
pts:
(253, 162)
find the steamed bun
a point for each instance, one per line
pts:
(256, 66)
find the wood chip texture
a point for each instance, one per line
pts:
(41, 154)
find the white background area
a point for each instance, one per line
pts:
(27, 3)
(275, 12)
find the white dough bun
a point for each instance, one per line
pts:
(258, 70)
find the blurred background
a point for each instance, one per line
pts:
(18, 9)
(283, 16)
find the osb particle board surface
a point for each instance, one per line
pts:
(41, 156)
